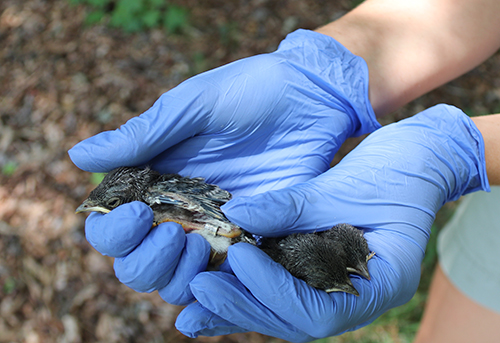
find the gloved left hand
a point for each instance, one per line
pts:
(264, 122)
(260, 123)
(391, 186)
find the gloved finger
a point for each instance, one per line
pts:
(225, 296)
(397, 262)
(194, 259)
(117, 233)
(337, 196)
(178, 114)
(316, 312)
(276, 213)
(152, 263)
(195, 320)
(304, 307)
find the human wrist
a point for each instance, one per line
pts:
(411, 47)
(489, 126)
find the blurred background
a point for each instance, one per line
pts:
(72, 68)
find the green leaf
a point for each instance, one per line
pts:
(98, 3)
(126, 15)
(120, 17)
(151, 18)
(134, 25)
(94, 17)
(136, 15)
(9, 168)
(96, 178)
(176, 18)
(157, 3)
(133, 6)
(9, 285)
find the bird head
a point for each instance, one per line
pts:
(320, 262)
(355, 245)
(120, 186)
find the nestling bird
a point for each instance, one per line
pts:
(320, 262)
(322, 259)
(190, 202)
(353, 241)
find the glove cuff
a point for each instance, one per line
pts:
(338, 71)
(465, 140)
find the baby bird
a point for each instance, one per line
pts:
(322, 259)
(354, 242)
(190, 202)
(320, 262)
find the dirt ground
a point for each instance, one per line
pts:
(61, 82)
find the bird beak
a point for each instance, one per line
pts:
(348, 287)
(361, 269)
(89, 206)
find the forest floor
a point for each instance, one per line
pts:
(62, 81)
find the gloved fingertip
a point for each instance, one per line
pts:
(99, 154)
(194, 260)
(152, 263)
(244, 251)
(118, 232)
(263, 214)
(78, 156)
(226, 267)
(249, 263)
(196, 320)
(215, 289)
(200, 283)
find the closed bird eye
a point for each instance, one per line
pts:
(114, 202)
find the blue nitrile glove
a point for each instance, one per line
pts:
(265, 122)
(391, 185)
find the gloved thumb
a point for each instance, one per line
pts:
(275, 213)
(175, 116)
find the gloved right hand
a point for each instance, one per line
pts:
(391, 186)
(261, 123)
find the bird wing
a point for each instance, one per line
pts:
(192, 194)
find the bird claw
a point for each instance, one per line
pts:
(370, 256)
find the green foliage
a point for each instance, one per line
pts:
(9, 168)
(96, 178)
(9, 285)
(94, 17)
(176, 18)
(136, 15)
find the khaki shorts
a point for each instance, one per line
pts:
(469, 247)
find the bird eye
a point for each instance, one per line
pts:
(114, 202)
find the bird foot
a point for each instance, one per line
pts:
(370, 256)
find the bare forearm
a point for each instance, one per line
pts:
(490, 129)
(412, 47)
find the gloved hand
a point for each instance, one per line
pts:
(391, 185)
(261, 123)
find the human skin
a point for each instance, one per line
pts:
(412, 47)
(450, 316)
(490, 129)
